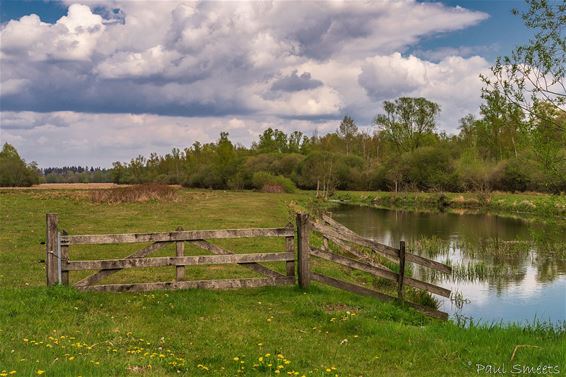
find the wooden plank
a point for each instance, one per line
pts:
(409, 257)
(105, 273)
(380, 248)
(51, 220)
(303, 249)
(348, 262)
(107, 264)
(330, 232)
(401, 275)
(380, 296)
(290, 248)
(336, 225)
(358, 254)
(192, 284)
(180, 252)
(380, 272)
(64, 260)
(215, 249)
(97, 239)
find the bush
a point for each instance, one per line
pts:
(511, 175)
(135, 193)
(267, 182)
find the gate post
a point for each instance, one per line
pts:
(51, 245)
(180, 252)
(401, 270)
(303, 250)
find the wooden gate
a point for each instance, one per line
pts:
(346, 241)
(59, 265)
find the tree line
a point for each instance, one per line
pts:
(502, 149)
(517, 143)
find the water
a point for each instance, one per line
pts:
(507, 269)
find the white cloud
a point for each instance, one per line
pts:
(229, 60)
(70, 138)
(72, 37)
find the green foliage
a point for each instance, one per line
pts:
(265, 181)
(14, 171)
(408, 121)
(535, 71)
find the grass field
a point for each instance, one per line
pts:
(525, 204)
(249, 332)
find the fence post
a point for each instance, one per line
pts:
(303, 249)
(290, 248)
(64, 249)
(401, 270)
(52, 221)
(180, 249)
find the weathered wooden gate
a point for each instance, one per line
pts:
(58, 263)
(346, 240)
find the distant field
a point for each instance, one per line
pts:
(66, 186)
(248, 332)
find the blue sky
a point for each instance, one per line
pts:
(106, 80)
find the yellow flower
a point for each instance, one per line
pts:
(3, 374)
(260, 359)
(328, 370)
(236, 358)
(39, 372)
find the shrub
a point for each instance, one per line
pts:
(135, 193)
(267, 182)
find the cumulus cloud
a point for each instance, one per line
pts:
(312, 61)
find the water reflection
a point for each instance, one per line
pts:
(509, 269)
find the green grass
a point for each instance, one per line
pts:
(523, 203)
(195, 332)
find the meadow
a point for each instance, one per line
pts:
(270, 331)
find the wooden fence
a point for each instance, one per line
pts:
(346, 240)
(59, 265)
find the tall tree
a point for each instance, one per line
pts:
(407, 122)
(535, 71)
(347, 131)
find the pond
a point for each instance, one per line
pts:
(505, 269)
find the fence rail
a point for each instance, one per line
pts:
(347, 241)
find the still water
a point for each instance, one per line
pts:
(505, 269)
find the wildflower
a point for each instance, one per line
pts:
(39, 372)
(260, 359)
(3, 373)
(236, 358)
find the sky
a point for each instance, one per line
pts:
(96, 81)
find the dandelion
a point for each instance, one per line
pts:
(236, 358)
(39, 372)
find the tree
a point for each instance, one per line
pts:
(407, 122)
(535, 71)
(347, 131)
(14, 171)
